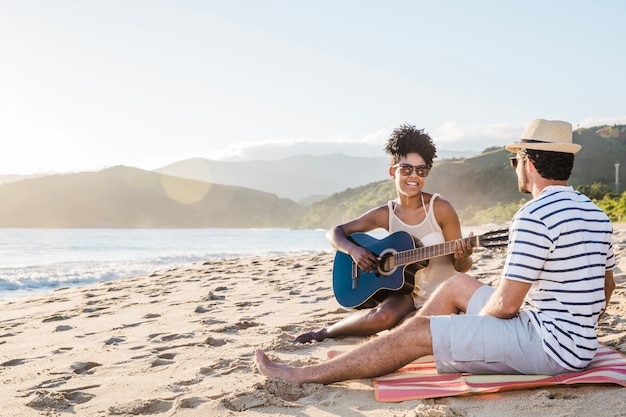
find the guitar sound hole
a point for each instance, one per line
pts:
(386, 264)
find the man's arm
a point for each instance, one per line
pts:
(506, 300)
(609, 287)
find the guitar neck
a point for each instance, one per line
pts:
(423, 253)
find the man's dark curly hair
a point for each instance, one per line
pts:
(551, 165)
(407, 139)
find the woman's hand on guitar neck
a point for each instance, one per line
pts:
(463, 249)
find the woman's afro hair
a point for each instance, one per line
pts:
(407, 139)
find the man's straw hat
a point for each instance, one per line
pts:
(546, 135)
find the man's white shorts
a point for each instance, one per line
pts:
(487, 345)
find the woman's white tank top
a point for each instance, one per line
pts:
(429, 233)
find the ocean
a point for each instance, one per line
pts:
(41, 260)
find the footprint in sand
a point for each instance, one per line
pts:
(82, 368)
(211, 341)
(212, 321)
(141, 407)
(13, 362)
(53, 383)
(550, 399)
(167, 356)
(114, 341)
(243, 304)
(176, 386)
(58, 401)
(97, 312)
(160, 362)
(201, 310)
(6, 335)
(18, 361)
(56, 317)
(161, 337)
(191, 402)
(272, 392)
(241, 325)
(213, 297)
(227, 366)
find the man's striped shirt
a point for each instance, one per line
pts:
(561, 243)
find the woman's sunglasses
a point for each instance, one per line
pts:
(407, 169)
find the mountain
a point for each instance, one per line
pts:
(122, 197)
(131, 197)
(482, 181)
(297, 177)
(302, 178)
(4, 179)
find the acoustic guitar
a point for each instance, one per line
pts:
(402, 255)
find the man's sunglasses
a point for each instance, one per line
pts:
(407, 169)
(514, 160)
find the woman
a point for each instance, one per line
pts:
(425, 216)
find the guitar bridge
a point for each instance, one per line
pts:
(355, 275)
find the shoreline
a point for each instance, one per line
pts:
(181, 341)
(44, 260)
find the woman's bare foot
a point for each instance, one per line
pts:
(318, 335)
(309, 337)
(271, 368)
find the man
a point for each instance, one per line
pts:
(541, 319)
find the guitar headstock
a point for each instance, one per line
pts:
(495, 239)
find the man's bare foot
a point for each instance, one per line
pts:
(271, 368)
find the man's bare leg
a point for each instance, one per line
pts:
(387, 353)
(376, 357)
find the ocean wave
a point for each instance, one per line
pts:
(43, 278)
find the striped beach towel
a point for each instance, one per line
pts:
(420, 379)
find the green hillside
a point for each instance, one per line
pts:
(129, 197)
(482, 183)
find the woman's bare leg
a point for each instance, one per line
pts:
(385, 316)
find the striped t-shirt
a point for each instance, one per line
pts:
(561, 243)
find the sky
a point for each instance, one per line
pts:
(86, 84)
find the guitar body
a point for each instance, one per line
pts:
(372, 287)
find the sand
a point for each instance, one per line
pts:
(180, 343)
